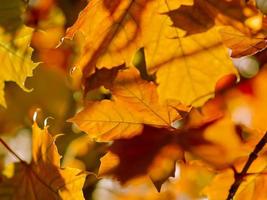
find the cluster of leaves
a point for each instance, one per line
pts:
(143, 90)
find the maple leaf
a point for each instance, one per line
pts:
(15, 55)
(43, 178)
(242, 44)
(175, 59)
(113, 31)
(158, 150)
(15, 40)
(134, 103)
(114, 34)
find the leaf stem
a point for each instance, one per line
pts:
(10, 150)
(239, 176)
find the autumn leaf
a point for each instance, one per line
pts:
(113, 35)
(42, 178)
(241, 44)
(175, 59)
(159, 149)
(16, 59)
(15, 40)
(199, 137)
(134, 103)
(203, 15)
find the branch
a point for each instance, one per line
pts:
(239, 176)
(10, 150)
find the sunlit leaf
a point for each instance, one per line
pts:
(175, 59)
(134, 103)
(15, 55)
(112, 31)
(241, 44)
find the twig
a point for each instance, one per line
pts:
(10, 150)
(239, 176)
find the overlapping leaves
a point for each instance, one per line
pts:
(146, 116)
(114, 31)
(175, 37)
(134, 102)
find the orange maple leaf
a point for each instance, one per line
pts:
(134, 103)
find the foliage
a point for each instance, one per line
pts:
(153, 99)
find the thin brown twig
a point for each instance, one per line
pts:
(239, 176)
(10, 150)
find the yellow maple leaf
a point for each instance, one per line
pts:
(15, 55)
(15, 39)
(187, 67)
(43, 178)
